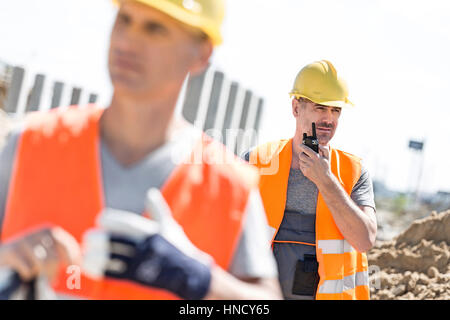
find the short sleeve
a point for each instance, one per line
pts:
(362, 193)
(253, 257)
(7, 155)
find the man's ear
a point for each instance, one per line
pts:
(295, 107)
(204, 51)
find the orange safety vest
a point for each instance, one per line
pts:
(56, 180)
(343, 271)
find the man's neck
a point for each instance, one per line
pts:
(133, 128)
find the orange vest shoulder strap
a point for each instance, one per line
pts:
(44, 156)
(211, 203)
(265, 153)
(346, 167)
(273, 160)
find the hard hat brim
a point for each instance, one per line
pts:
(339, 104)
(198, 22)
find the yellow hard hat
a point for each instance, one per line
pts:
(206, 15)
(319, 82)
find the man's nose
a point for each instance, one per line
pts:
(126, 39)
(327, 117)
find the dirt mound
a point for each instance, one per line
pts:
(415, 264)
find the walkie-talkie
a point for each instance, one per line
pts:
(312, 141)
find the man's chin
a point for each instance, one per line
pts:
(122, 83)
(324, 140)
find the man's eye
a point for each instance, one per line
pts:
(155, 28)
(122, 18)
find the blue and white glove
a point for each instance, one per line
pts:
(154, 253)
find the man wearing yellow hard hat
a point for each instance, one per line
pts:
(100, 174)
(319, 200)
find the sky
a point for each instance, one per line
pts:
(392, 54)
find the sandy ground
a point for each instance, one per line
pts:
(416, 263)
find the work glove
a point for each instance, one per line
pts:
(151, 252)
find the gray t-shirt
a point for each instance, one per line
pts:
(125, 189)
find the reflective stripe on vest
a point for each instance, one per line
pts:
(348, 282)
(56, 180)
(334, 246)
(343, 271)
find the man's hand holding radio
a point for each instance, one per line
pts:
(315, 166)
(314, 160)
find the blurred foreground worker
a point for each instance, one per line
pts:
(64, 167)
(320, 206)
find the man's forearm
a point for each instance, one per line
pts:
(226, 287)
(357, 227)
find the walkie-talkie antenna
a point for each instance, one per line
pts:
(314, 130)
